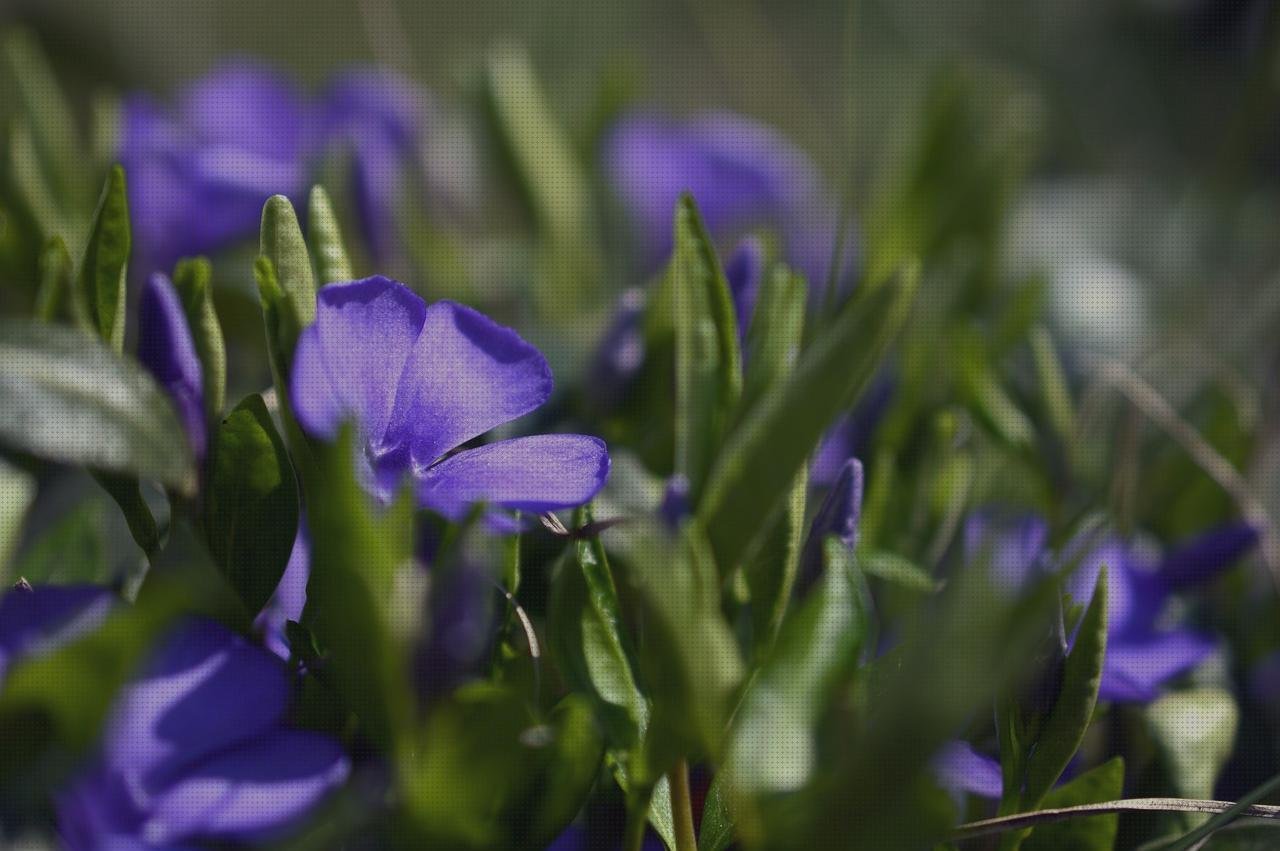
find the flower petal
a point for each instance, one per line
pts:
(838, 515)
(959, 768)
(466, 375)
(1206, 555)
(202, 690)
(534, 474)
(348, 364)
(168, 351)
(1134, 671)
(744, 270)
(253, 791)
(1010, 547)
(39, 619)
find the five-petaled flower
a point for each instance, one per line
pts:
(420, 381)
(196, 749)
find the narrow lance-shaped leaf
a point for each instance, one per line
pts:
(753, 472)
(251, 506)
(127, 492)
(1096, 833)
(325, 236)
(282, 243)
(102, 272)
(53, 298)
(66, 397)
(1066, 725)
(358, 610)
(708, 361)
(17, 490)
(193, 279)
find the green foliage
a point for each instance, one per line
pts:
(251, 503)
(102, 271)
(193, 279)
(1094, 833)
(66, 397)
(326, 239)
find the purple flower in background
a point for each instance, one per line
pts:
(851, 435)
(200, 172)
(1141, 655)
(837, 516)
(167, 350)
(378, 117)
(744, 272)
(961, 770)
(420, 381)
(37, 620)
(742, 174)
(290, 597)
(196, 749)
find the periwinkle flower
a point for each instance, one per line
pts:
(289, 598)
(744, 272)
(961, 770)
(196, 749)
(168, 351)
(850, 436)
(1142, 654)
(742, 174)
(35, 620)
(838, 517)
(420, 381)
(200, 172)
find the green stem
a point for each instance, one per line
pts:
(682, 807)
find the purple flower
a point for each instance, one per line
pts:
(40, 619)
(377, 117)
(620, 355)
(851, 435)
(290, 597)
(961, 770)
(744, 271)
(196, 749)
(742, 174)
(199, 173)
(837, 516)
(1141, 656)
(420, 381)
(167, 350)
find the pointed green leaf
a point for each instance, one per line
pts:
(17, 490)
(772, 748)
(776, 332)
(193, 279)
(282, 243)
(1066, 725)
(325, 236)
(102, 272)
(708, 362)
(66, 397)
(127, 492)
(251, 504)
(53, 298)
(70, 551)
(760, 459)
(569, 765)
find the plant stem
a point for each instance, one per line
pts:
(682, 807)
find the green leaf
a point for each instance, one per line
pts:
(325, 235)
(102, 272)
(193, 279)
(1065, 727)
(53, 298)
(570, 763)
(17, 490)
(1196, 731)
(772, 747)
(1095, 833)
(760, 459)
(70, 551)
(708, 362)
(771, 568)
(716, 833)
(53, 134)
(281, 242)
(365, 595)
(66, 397)
(251, 504)
(127, 492)
(897, 570)
(1053, 385)
(775, 334)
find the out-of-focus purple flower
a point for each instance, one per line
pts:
(290, 597)
(742, 174)
(837, 516)
(1141, 656)
(38, 619)
(196, 749)
(621, 352)
(961, 770)
(1205, 556)
(168, 351)
(460, 638)
(850, 437)
(379, 118)
(744, 271)
(199, 173)
(675, 505)
(419, 381)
